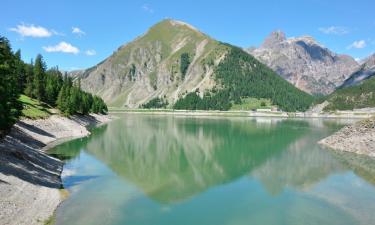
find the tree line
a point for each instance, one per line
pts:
(354, 97)
(35, 80)
(239, 76)
(155, 103)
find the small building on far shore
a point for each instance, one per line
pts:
(263, 110)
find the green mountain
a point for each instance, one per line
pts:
(352, 97)
(176, 63)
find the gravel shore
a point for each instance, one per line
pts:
(30, 182)
(357, 138)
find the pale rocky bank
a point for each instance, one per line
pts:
(30, 182)
(357, 138)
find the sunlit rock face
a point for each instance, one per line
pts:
(365, 71)
(304, 62)
(149, 66)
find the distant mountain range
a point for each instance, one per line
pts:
(305, 63)
(364, 72)
(175, 62)
(357, 92)
(174, 59)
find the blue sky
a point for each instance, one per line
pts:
(100, 27)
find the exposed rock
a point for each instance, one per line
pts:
(75, 73)
(357, 138)
(366, 71)
(149, 66)
(305, 63)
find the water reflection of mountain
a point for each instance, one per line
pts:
(172, 159)
(300, 166)
(361, 165)
(304, 163)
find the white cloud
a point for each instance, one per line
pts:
(337, 30)
(90, 52)
(32, 31)
(77, 30)
(357, 44)
(147, 8)
(62, 47)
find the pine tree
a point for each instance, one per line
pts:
(53, 85)
(10, 108)
(29, 76)
(20, 71)
(63, 96)
(74, 100)
(39, 78)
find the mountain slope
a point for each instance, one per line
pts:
(149, 66)
(353, 97)
(240, 75)
(366, 71)
(305, 63)
(173, 59)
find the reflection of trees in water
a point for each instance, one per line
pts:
(300, 166)
(304, 163)
(171, 158)
(71, 149)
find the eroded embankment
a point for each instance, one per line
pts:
(30, 180)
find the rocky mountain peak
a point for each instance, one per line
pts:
(274, 39)
(364, 72)
(173, 25)
(305, 63)
(369, 62)
(150, 66)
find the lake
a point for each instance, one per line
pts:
(176, 170)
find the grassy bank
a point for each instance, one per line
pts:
(34, 109)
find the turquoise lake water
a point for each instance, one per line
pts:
(174, 170)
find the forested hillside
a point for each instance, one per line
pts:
(34, 80)
(239, 76)
(354, 97)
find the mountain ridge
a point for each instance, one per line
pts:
(161, 44)
(173, 59)
(365, 72)
(304, 62)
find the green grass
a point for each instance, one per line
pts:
(51, 220)
(34, 109)
(252, 103)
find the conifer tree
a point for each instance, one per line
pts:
(53, 85)
(10, 108)
(29, 77)
(39, 78)
(20, 71)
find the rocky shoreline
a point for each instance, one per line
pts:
(357, 138)
(30, 181)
